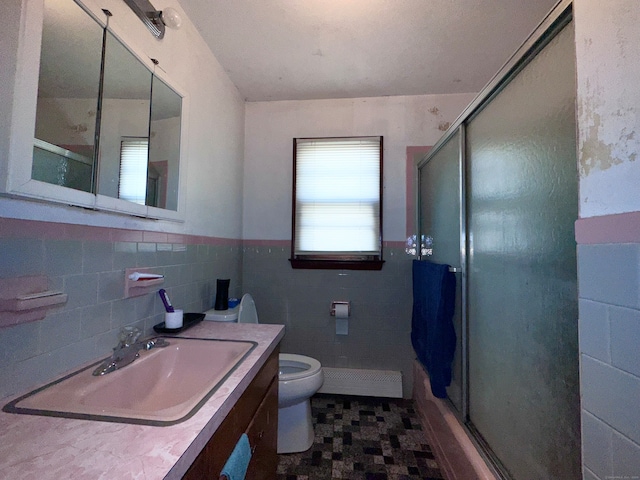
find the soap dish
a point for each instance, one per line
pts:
(188, 321)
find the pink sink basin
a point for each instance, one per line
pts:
(163, 387)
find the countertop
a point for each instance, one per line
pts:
(41, 447)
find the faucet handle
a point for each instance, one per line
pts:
(156, 343)
(128, 336)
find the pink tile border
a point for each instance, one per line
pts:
(180, 238)
(154, 237)
(618, 228)
(11, 228)
(227, 242)
(79, 232)
(267, 243)
(15, 228)
(121, 235)
(287, 243)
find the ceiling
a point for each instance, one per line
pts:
(313, 49)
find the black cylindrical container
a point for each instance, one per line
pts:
(222, 294)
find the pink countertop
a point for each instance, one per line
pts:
(37, 447)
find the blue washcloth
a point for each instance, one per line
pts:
(432, 333)
(238, 461)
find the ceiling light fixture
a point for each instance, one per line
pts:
(155, 20)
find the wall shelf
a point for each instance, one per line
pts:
(136, 288)
(31, 301)
(27, 299)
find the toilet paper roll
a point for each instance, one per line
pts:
(342, 310)
(342, 326)
(342, 319)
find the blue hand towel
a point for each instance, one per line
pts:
(238, 461)
(432, 332)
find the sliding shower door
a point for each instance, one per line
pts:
(440, 187)
(512, 161)
(522, 295)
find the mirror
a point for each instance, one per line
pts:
(135, 117)
(67, 97)
(164, 146)
(126, 103)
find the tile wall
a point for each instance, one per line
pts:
(88, 263)
(609, 286)
(381, 304)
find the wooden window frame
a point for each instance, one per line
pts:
(337, 261)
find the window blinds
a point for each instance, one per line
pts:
(337, 196)
(134, 155)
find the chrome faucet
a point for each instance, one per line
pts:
(127, 350)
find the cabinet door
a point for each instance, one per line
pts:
(216, 452)
(263, 437)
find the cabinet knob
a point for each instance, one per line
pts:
(255, 444)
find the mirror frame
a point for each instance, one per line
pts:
(16, 179)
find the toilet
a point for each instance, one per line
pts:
(299, 378)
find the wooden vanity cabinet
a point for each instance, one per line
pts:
(256, 414)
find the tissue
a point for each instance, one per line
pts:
(342, 319)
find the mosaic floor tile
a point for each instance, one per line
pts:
(363, 438)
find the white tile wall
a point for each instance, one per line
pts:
(92, 275)
(609, 286)
(381, 304)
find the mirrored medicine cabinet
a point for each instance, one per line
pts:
(106, 123)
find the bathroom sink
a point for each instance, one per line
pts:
(163, 386)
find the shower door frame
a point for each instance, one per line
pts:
(559, 17)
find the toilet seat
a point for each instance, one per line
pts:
(294, 367)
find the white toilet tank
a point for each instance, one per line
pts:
(243, 313)
(229, 315)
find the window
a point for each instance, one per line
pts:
(337, 203)
(134, 157)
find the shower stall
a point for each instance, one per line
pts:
(497, 200)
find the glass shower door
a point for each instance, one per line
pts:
(522, 294)
(440, 188)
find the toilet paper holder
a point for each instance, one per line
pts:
(332, 310)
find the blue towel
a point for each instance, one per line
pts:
(432, 333)
(238, 461)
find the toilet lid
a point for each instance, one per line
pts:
(247, 313)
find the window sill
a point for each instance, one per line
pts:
(317, 264)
